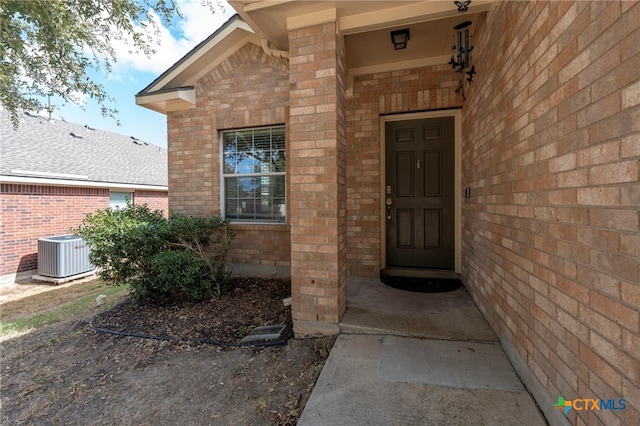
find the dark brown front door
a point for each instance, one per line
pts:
(419, 193)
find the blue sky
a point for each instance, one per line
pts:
(132, 73)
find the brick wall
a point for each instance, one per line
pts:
(317, 176)
(29, 212)
(248, 89)
(419, 89)
(551, 149)
(267, 245)
(156, 200)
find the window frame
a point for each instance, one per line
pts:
(224, 176)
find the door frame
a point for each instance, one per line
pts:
(457, 177)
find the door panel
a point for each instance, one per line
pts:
(420, 174)
(405, 228)
(432, 173)
(432, 227)
(405, 174)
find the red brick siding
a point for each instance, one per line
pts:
(248, 89)
(317, 174)
(414, 90)
(550, 234)
(244, 91)
(267, 245)
(30, 212)
(156, 200)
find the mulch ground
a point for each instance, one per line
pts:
(70, 374)
(251, 303)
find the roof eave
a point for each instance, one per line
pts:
(177, 99)
(273, 19)
(79, 183)
(201, 59)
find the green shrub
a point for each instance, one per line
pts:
(179, 257)
(174, 274)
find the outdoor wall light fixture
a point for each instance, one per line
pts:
(399, 38)
(461, 58)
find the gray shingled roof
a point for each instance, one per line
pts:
(49, 149)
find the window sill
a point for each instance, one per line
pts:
(258, 225)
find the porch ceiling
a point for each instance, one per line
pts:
(430, 43)
(366, 26)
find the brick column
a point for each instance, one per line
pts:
(317, 179)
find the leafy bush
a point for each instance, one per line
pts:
(174, 274)
(179, 257)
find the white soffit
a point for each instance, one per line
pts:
(206, 57)
(169, 100)
(274, 18)
(174, 89)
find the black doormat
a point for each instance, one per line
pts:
(422, 285)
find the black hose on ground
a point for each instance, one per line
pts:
(196, 341)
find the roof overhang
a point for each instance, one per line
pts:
(174, 89)
(366, 27)
(168, 100)
(274, 19)
(25, 180)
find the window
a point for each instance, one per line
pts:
(118, 200)
(254, 175)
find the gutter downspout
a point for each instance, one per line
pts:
(282, 54)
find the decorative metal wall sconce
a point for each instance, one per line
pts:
(400, 38)
(461, 59)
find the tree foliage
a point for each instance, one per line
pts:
(51, 47)
(179, 257)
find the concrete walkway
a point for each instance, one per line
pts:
(417, 359)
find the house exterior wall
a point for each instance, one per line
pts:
(30, 212)
(248, 89)
(551, 242)
(251, 89)
(419, 89)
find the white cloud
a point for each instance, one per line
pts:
(78, 98)
(125, 80)
(200, 22)
(197, 23)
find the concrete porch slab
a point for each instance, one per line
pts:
(408, 358)
(375, 308)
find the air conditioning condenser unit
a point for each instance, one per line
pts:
(63, 256)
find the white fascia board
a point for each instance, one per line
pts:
(405, 15)
(77, 183)
(230, 50)
(315, 18)
(236, 25)
(264, 4)
(171, 100)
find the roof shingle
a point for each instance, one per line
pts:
(61, 150)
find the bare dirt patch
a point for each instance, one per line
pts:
(70, 374)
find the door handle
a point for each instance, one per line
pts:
(389, 201)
